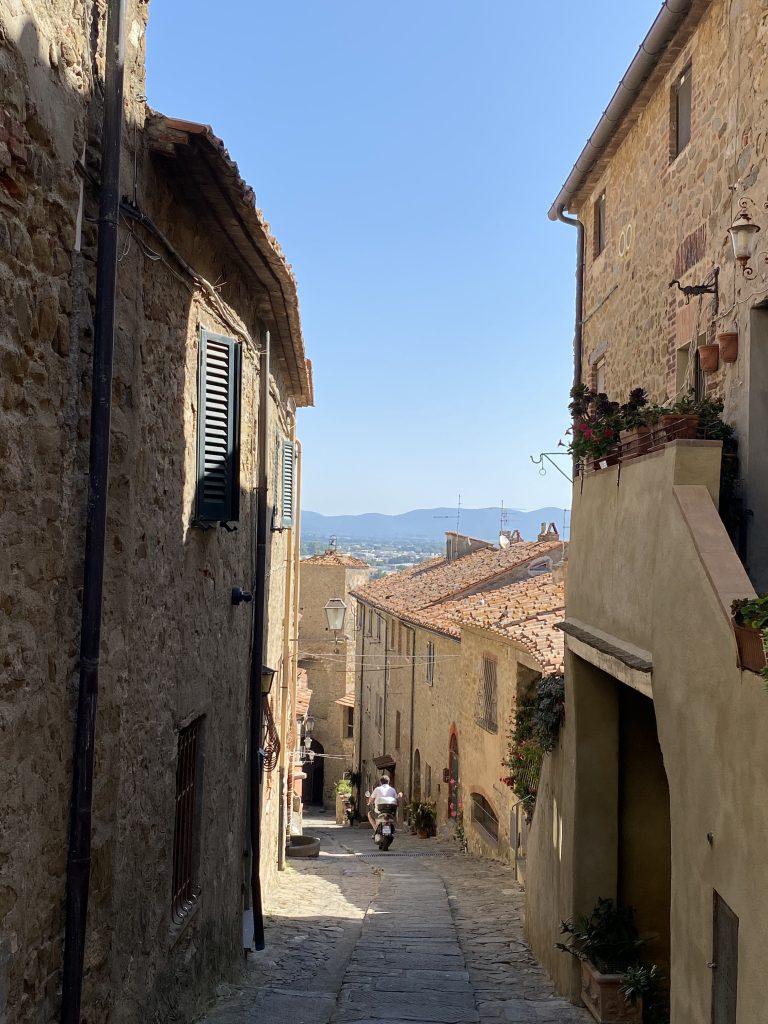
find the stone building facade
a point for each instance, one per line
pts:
(653, 788)
(175, 650)
(444, 651)
(330, 667)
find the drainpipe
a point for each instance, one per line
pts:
(360, 725)
(79, 851)
(413, 694)
(578, 330)
(386, 666)
(292, 583)
(258, 645)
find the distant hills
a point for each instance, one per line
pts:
(429, 524)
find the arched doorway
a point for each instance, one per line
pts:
(453, 778)
(312, 790)
(416, 781)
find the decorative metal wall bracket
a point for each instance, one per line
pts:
(549, 456)
(708, 287)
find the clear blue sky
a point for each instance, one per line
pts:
(406, 153)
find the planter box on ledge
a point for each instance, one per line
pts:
(601, 996)
(749, 643)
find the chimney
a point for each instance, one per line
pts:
(548, 532)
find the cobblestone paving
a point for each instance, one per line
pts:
(419, 934)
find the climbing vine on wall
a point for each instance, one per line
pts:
(534, 730)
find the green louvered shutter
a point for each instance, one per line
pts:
(287, 491)
(218, 429)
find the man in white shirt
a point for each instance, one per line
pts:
(382, 790)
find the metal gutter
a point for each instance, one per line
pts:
(669, 19)
(79, 850)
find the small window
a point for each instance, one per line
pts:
(399, 637)
(484, 816)
(391, 635)
(599, 230)
(361, 616)
(378, 628)
(430, 662)
(397, 730)
(416, 791)
(427, 780)
(681, 113)
(369, 631)
(410, 642)
(218, 429)
(486, 713)
(599, 376)
(185, 889)
(349, 723)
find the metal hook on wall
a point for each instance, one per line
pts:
(549, 457)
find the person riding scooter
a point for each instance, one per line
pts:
(382, 792)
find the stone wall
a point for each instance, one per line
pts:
(173, 646)
(330, 667)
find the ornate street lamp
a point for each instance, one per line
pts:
(743, 234)
(335, 613)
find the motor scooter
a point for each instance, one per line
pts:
(385, 816)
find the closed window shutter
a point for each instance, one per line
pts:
(288, 482)
(218, 429)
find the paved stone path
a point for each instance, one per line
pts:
(420, 934)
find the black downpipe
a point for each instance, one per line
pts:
(578, 330)
(79, 851)
(257, 650)
(359, 713)
(413, 697)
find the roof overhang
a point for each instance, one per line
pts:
(205, 174)
(656, 54)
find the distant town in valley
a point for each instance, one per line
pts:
(391, 543)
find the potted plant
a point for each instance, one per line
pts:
(750, 623)
(729, 346)
(636, 433)
(425, 818)
(607, 944)
(595, 430)
(709, 357)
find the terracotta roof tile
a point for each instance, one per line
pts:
(413, 590)
(336, 558)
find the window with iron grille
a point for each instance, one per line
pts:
(486, 710)
(484, 816)
(185, 889)
(218, 429)
(430, 662)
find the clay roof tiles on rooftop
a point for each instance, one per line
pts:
(413, 590)
(336, 558)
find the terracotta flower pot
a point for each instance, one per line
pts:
(635, 441)
(601, 996)
(709, 357)
(729, 346)
(679, 425)
(750, 647)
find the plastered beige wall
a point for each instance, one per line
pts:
(636, 572)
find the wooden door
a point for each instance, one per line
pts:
(725, 962)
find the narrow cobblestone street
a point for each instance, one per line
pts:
(422, 933)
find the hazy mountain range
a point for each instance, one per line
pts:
(429, 524)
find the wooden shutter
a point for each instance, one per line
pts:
(288, 484)
(218, 429)
(725, 962)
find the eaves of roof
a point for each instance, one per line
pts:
(673, 27)
(205, 174)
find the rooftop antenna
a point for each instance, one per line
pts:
(503, 538)
(458, 515)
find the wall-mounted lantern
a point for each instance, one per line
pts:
(335, 613)
(267, 678)
(743, 234)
